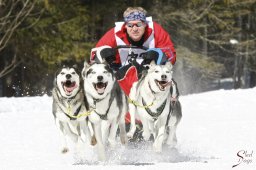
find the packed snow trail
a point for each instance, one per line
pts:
(215, 127)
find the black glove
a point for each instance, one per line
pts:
(108, 54)
(149, 56)
(154, 54)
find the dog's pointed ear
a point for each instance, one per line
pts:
(58, 64)
(169, 64)
(152, 63)
(86, 65)
(75, 66)
(105, 62)
(83, 73)
(171, 73)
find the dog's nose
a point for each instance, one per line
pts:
(100, 78)
(68, 76)
(163, 76)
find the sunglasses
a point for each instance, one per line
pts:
(131, 25)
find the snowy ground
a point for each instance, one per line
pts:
(216, 126)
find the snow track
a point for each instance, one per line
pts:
(215, 126)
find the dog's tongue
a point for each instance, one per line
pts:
(163, 84)
(100, 87)
(71, 87)
(100, 91)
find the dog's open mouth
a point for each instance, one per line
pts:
(162, 84)
(69, 86)
(100, 87)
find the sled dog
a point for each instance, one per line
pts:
(150, 101)
(68, 105)
(109, 103)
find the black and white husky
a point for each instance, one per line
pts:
(68, 105)
(150, 101)
(109, 103)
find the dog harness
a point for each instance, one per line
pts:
(69, 109)
(158, 112)
(103, 116)
(75, 114)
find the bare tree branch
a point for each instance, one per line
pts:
(10, 67)
(10, 21)
(12, 15)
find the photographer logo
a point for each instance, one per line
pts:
(244, 157)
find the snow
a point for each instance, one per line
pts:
(215, 126)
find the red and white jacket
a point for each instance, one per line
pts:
(154, 37)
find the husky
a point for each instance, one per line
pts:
(150, 101)
(109, 103)
(68, 106)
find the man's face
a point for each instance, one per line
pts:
(135, 29)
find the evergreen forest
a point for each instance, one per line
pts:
(215, 40)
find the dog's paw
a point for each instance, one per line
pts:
(130, 135)
(171, 140)
(157, 148)
(146, 136)
(171, 143)
(112, 143)
(101, 156)
(93, 141)
(64, 150)
(123, 140)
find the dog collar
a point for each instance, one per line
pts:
(103, 116)
(96, 101)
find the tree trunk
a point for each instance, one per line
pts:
(239, 61)
(252, 79)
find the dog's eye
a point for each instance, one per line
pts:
(93, 72)
(167, 71)
(62, 73)
(73, 72)
(105, 72)
(156, 71)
